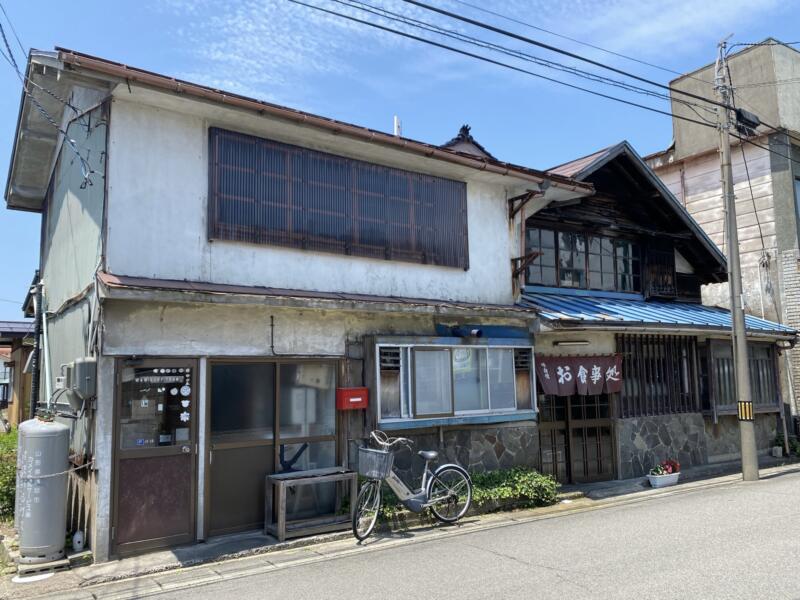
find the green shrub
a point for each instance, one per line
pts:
(494, 490)
(8, 473)
(519, 486)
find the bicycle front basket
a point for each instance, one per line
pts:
(374, 464)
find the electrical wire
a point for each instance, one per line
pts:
(746, 168)
(581, 42)
(531, 73)
(494, 62)
(13, 30)
(561, 51)
(86, 168)
(397, 17)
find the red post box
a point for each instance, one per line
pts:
(352, 398)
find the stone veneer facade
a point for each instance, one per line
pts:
(689, 438)
(646, 441)
(477, 448)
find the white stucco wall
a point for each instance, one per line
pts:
(157, 221)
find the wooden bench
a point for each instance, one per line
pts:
(276, 485)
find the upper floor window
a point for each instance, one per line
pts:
(576, 260)
(267, 192)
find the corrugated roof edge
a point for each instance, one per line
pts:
(615, 313)
(79, 60)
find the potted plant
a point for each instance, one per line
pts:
(665, 473)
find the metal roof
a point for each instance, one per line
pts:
(613, 311)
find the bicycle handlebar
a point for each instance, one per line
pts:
(384, 441)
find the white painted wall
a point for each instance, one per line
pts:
(157, 223)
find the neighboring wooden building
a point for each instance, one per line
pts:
(766, 184)
(16, 338)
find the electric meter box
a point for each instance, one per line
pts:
(84, 377)
(352, 398)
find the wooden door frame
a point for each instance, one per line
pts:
(596, 423)
(137, 547)
(336, 362)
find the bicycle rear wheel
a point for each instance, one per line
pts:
(367, 507)
(450, 494)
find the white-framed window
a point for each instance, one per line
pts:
(433, 381)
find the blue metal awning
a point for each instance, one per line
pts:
(590, 310)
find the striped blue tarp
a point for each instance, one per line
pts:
(596, 310)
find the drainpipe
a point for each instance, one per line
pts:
(46, 347)
(37, 331)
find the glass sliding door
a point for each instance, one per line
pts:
(242, 446)
(307, 433)
(268, 417)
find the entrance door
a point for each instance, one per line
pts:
(591, 445)
(575, 438)
(267, 417)
(154, 492)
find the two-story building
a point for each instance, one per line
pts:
(766, 177)
(231, 263)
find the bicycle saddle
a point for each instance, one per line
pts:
(428, 454)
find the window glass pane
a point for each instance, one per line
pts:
(242, 402)
(309, 501)
(501, 378)
(307, 400)
(433, 391)
(469, 379)
(157, 406)
(390, 365)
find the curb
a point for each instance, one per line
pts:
(485, 522)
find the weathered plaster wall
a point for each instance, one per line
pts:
(139, 328)
(157, 224)
(723, 438)
(646, 441)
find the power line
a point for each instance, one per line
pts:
(494, 62)
(746, 168)
(528, 40)
(426, 26)
(13, 30)
(86, 168)
(531, 73)
(577, 41)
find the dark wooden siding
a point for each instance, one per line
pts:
(267, 192)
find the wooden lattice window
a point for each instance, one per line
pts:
(659, 374)
(267, 192)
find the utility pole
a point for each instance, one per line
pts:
(741, 363)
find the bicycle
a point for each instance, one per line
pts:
(446, 491)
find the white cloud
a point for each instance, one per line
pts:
(275, 49)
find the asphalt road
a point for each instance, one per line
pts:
(734, 541)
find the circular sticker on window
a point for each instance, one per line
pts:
(186, 390)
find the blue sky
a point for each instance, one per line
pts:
(284, 53)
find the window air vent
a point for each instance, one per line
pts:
(522, 359)
(390, 359)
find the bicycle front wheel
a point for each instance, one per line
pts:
(367, 507)
(449, 494)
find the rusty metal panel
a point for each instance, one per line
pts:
(155, 498)
(267, 192)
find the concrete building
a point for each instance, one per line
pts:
(232, 264)
(766, 183)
